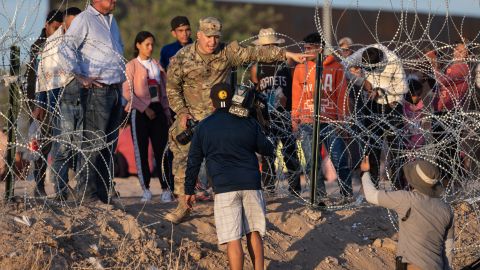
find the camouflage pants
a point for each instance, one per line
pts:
(180, 155)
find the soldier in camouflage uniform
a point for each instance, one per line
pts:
(191, 74)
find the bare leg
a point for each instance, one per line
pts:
(235, 254)
(255, 249)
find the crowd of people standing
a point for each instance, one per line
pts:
(79, 89)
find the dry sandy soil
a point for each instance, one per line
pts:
(134, 235)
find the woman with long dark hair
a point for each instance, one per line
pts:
(146, 94)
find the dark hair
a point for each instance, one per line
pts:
(54, 15)
(372, 56)
(179, 21)
(72, 11)
(415, 89)
(314, 38)
(468, 45)
(141, 36)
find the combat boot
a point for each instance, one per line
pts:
(180, 213)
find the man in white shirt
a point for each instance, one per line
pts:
(379, 72)
(65, 116)
(38, 103)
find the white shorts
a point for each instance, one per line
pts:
(238, 213)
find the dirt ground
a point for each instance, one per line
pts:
(39, 234)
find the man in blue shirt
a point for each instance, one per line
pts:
(93, 52)
(181, 31)
(229, 144)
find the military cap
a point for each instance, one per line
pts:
(210, 26)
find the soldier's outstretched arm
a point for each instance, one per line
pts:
(239, 55)
(175, 87)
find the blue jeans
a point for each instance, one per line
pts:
(46, 100)
(103, 112)
(337, 151)
(70, 132)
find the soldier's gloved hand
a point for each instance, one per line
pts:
(183, 120)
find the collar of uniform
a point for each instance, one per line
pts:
(205, 58)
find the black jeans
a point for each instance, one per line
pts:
(384, 121)
(445, 133)
(145, 130)
(281, 129)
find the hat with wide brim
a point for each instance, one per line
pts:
(424, 177)
(267, 36)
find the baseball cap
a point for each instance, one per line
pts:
(179, 21)
(221, 95)
(210, 26)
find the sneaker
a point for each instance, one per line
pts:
(147, 196)
(166, 196)
(203, 197)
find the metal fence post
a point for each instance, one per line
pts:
(316, 143)
(11, 124)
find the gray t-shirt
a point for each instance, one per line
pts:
(422, 235)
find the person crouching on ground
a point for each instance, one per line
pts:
(425, 238)
(229, 143)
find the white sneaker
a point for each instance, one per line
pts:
(166, 196)
(147, 196)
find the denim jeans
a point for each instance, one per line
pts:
(337, 151)
(67, 144)
(47, 100)
(103, 114)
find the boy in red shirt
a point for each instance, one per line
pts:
(334, 107)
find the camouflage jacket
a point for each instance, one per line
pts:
(191, 75)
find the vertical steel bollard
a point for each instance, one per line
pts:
(11, 124)
(316, 144)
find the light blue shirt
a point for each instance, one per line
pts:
(93, 47)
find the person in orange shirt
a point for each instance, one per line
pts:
(334, 108)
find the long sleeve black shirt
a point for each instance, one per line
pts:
(228, 143)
